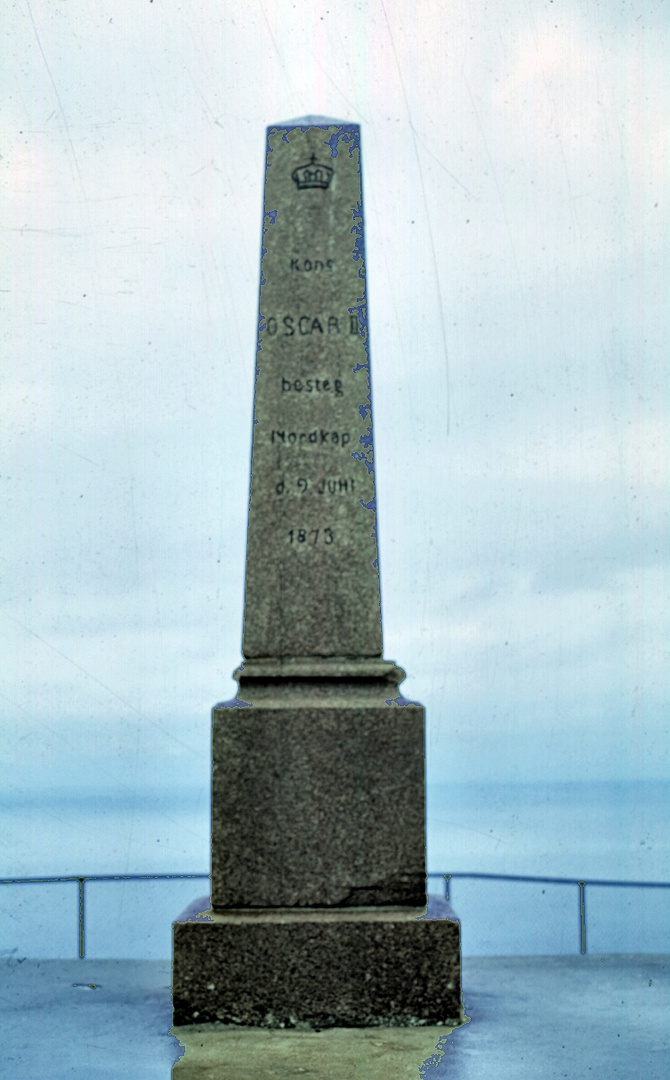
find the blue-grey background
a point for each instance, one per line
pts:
(515, 169)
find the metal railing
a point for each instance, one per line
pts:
(581, 883)
(96, 877)
(558, 881)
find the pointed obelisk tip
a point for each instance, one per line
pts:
(314, 121)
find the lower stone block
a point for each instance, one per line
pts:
(316, 968)
(318, 806)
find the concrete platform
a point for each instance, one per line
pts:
(601, 1017)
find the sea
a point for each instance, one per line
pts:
(612, 836)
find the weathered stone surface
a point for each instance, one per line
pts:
(333, 968)
(318, 805)
(312, 579)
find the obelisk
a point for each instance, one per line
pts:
(318, 876)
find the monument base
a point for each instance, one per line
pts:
(318, 796)
(316, 968)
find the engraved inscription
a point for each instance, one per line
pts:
(304, 325)
(308, 266)
(310, 386)
(317, 437)
(311, 536)
(337, 486)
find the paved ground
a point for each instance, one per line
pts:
(540, 1018)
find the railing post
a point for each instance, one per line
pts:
(81, 881)
(582, 915)
(447, 879)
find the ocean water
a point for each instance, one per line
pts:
(598, 830)
(588, 832)
(613, 831)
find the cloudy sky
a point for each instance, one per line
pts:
(515, 171)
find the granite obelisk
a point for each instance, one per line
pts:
(318, 877)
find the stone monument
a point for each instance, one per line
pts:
(318, 880)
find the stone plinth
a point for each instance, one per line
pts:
(318, 907)
(317, 968)
(318, 803)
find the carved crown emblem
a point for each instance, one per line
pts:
(313, 175)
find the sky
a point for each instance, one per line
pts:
(515, 177)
